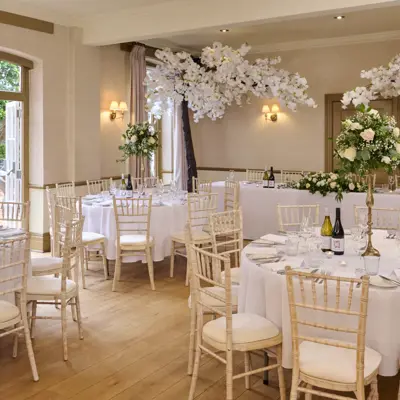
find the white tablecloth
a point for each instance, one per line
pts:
(165, 220)
(263, 292)
(259, 205)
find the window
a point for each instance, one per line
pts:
(10, 77)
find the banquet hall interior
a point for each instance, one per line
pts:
(199, 199)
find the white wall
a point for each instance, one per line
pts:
(243, 139)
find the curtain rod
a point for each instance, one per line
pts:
(127, 46)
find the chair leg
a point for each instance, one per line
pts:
(15, 344)
(117, 272)
(73, 312)
(308, 396)
(192, 336)
(33, 319)
(247, 369)
(188, 271)
(295, 384)
(28, 341)
(64, 327)
(172, 261)
(87, 254)
(373, 394)
(79, 315)
(82, 254)
(281, 376)
(150, 266)
(105, 262)
(195, 372)
(229, 375)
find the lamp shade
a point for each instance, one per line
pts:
(275, 108)
(265, 109)
(123, 106)
(114, 106)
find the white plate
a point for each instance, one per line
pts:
(380, 282)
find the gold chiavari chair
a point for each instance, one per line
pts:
(14, 260)
(200, 207)
(231, 332)
(254, 175)
(382, 218)
(133, 233)
(200, 186)
(291, 176)
(63, 291)
(98, 186)
(321, 358)
(290, 217)
(65, 189)
(15, 215)
(231, 195)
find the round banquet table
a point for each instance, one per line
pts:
(259, 205)
(263, 292)
(164, 221)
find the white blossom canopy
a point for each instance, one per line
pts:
(223, 77)
(384, 81)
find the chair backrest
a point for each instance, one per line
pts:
(150, 182)
(65, 189)
(200, 207)
(51, 203)
(14, 261)
(72, 203)
(254, 175)
(382, 218)
(98, 186)
(16, 215)
(290, 217)
(291, 176)
(200, 186)
(231, 195)
(341, 308)
(132, 216)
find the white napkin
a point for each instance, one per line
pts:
(397, 273)
(260, 251)
(275, 238)
(294, 262)
(10, 232)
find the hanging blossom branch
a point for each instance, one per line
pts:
(221, 78)
(385, 82)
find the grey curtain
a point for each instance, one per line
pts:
(179, 153)
(189, 150)
(138, 102)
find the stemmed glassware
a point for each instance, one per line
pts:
(160, 191)
(113, 189)
(391, 181)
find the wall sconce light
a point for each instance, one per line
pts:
(114, 107)
(272, 114)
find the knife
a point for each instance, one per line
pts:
(390, 280)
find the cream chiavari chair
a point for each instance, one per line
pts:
(382, 218)
(231, 332)
(291, 176)
(200, 186)
(133, 233)
(16, 215)
(321, 359)
(231, 195)
(14, 260)
(65, 189)
(254, 175)
(200, 207)
(290, 217)
(150, 182)
(98, 186)
(51, 209)
(63, 291)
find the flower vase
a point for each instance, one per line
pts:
(370, 250)
(142, 168)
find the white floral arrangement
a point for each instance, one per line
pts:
(368, 141)
(328, 182)
(221, 78)
(139, 140)
(384, 81)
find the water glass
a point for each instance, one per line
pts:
(392, 185)
(113, 189)
(371, 264)
(292, 246)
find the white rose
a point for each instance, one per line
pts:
(323, 182)
(133, 138)
(396, 132)
(351, 186)
(398, 147)
(314, 180)
(308, 186)
(368, 135)
(373, 112)
(334, 177)
(298, 185)
(333, 185)
(152, 140)
(350, 153)
(355, 126)
(386, 159)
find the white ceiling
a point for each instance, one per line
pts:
(269, 35)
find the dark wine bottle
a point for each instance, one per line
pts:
(338, 235)
(271, 179)
(129, 188)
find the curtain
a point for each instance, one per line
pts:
(138, 102)
(189, 150)
(179, 152)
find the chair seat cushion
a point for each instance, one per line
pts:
(235, 276)
(8, 311)
(198, 236)
(88, 237)
(335, 363)
(48, 286)
(134, 240)
(246, 328)
(42, 264)
(213, 302)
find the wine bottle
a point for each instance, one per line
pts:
(123, 184)
(265, 178)
(271, 180)
(338, 236)
(326, 232)
(129, 188)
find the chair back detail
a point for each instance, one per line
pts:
(200, 207)
(290, 217)
(150, 182)
(254, 175)
(51, 203)
(65, 189)
(382, 218)
(231, 195)
(200, 186)
(98, 186)
(291, 176)
(16, 215)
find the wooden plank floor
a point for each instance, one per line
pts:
(135, 348)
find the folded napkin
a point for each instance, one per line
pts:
(90, 197)
(260, 251)
(293, 262)
(10, 232)
(277, 239)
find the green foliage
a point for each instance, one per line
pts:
(9, 82)
(2, 151)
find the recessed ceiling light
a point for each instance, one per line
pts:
(340, 17)
(224, 30)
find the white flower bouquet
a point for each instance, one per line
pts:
(368, 141)
(139, 140)
(328, 182)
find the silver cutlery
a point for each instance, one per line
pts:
(390, 280)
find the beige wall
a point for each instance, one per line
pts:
(243, 139)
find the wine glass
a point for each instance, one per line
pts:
(160, 190)
(391, 181)
(113, 189)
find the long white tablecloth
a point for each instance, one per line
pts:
(263, 291)
(259, 205)
(165, 220)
